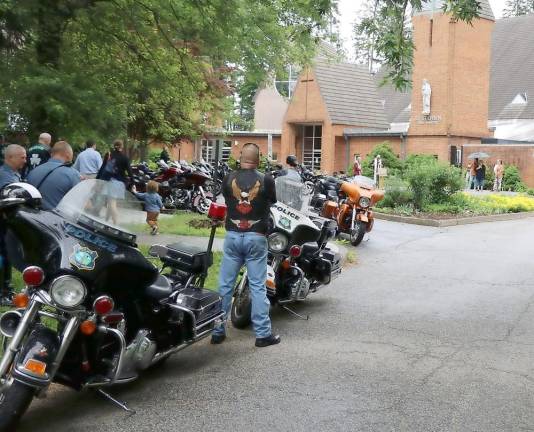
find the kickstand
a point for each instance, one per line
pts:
(116, 402)
(302, 317)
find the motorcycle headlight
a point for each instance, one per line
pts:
(67, 291)
(365, 202)
(277, 242)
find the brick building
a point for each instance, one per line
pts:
(481, 98)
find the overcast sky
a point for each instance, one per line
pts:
(348, 10)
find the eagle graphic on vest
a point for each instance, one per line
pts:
(244, 206)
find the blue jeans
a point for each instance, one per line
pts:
(248, 249)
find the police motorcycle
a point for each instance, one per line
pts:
(300, 261)
(95, 312)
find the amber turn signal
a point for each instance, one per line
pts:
(88, 327)
(36, 367)
(21, 300)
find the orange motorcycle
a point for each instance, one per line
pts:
(353, 213)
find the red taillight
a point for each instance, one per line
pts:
(294, 251)
(33, 276)
(103, 305)
(217, 211)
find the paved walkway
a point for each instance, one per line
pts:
(433, 330)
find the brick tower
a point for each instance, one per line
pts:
(451, 72)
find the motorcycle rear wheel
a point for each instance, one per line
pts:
(14, 402)
(242, 309)
(356, 235)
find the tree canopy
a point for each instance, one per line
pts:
(146, 68)
(518, 7)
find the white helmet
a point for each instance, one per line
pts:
(23, 190)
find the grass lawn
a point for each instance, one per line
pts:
(183, 223)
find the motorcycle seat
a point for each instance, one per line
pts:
(160, 289)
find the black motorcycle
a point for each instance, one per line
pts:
(114, 313)
(299, 261)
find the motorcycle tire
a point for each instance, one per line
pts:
(242, 309)
(14, 402)
(356, 235)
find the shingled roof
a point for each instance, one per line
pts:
(511, 75)
(512, 69)
(350, 94)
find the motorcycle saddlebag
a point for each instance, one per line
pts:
(335, 259)
(187, 258)
(204, 304)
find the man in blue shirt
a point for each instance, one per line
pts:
(89, 161)
(15, 160)
(56, 177)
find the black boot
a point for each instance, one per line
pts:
(267, 341)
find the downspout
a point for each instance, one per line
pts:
(347, 149)
(403, 145)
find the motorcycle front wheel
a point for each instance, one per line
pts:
(14, 401)
(242, 309)
(356, 235)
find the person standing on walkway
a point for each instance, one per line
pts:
(249, 195)
(39, 153)
(291, 172)
(480, 176)
(14, 162)
(498, 170)
(377, 165)
(357, 167)
(118, 173)
(89, 161)
(475, 168)
(55, 177)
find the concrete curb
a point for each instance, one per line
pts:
(455, 221)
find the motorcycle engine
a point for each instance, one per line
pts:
(300, 289)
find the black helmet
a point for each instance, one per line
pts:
(26, 191)
(292, 160)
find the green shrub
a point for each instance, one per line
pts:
(397, 194)
(433, 182)
(414, 160)
(530, 191)
(389, 160)
(232, 162)
(489, 179)
(512, 179)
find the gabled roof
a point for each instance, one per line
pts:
(512, 68)
(350, 94)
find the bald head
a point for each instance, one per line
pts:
(45, 138)
(15, 157)
(62, 151)
(250, 156)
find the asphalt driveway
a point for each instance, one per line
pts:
(432, 330)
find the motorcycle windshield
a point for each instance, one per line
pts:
(292, 193)
(363, 181)
(104, 207)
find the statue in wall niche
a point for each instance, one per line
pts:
(426, 90)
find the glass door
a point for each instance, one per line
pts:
(311, 147)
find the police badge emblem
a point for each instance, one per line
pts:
(83, 258)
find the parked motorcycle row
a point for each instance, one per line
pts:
(182, 185)
(348, 201)
(115, 312)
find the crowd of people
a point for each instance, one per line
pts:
(475, 176)
(50, 169)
